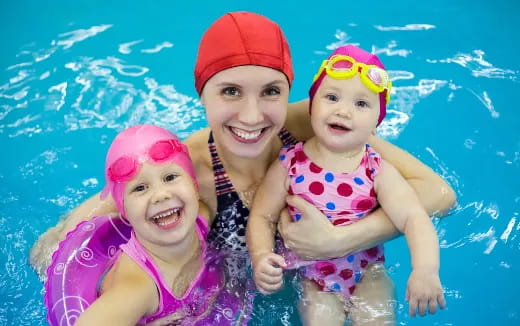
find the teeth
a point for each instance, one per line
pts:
(167, 213)
(246, 135)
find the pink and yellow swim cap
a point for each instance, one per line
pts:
(136, 145)
(349, 59)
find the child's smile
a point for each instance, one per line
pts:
(168, 219)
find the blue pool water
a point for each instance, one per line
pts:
(74, 73)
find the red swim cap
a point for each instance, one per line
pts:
(238, 39)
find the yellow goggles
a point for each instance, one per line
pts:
(344, 67)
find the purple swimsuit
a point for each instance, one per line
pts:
(198, 298)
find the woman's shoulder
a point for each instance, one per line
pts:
(198, 143)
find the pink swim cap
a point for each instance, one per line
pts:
(238, 39)
(136, 145)
(361, 56)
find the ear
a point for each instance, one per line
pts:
(374, 131)
(202, 100)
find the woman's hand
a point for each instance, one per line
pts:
(313, 236)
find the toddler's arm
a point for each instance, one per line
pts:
(400, 202)
(268, 203)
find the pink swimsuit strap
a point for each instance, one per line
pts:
(195, 300)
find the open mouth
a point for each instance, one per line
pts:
(338, 127)
(247, 136)
(167, 219)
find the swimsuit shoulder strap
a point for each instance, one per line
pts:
(222, 183)
(286, 137)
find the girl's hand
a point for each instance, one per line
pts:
(268, 272)
(424, 290)
(312, 237)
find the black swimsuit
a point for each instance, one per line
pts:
(228, 230)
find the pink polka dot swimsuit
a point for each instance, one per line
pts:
(344, 198)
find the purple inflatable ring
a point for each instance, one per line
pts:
(78, 264)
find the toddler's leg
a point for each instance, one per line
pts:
(319, 307)
(373, 302)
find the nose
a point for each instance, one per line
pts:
(345, 111)
(251, 112)
(160, 194)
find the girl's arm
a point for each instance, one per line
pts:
(130, 297)
(268, 203)
(41, 252)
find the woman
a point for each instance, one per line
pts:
(243, 75)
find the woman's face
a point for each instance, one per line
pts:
(246, 107)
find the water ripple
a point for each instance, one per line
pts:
(478, 66)
(407, 27)
(125, 48)
(390, 50)
(158, 47)
(403, 99)
(80, 35)
(484, 99)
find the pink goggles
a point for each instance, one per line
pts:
(126, 167)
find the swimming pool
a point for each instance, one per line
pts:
(74, 74)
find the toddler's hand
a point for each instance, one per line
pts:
(268, 272)
(424, 289)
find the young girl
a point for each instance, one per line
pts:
(159, 276)
(339, 173)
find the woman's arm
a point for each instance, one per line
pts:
(436, 196)
(41, 253)
(314, 237)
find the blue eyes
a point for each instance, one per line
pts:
(362, 104)
(272, 91)
(231, 91)
(332, 97)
